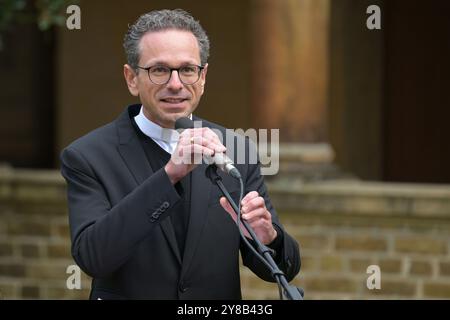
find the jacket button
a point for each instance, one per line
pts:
(289, 265)
(183, 288)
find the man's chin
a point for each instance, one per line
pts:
(172, 117)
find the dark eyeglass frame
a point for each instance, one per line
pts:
(200, 69)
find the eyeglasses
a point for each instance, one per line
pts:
(161, 74)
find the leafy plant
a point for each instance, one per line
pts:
(9, 10)
(45, 13)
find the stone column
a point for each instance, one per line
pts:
(290, 68)
(290, 82)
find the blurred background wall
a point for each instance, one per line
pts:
(310, 67)
(359, 111)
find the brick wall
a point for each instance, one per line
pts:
(413, 256)
(34, 237)
(410, 246)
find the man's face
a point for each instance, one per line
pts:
(164, 104)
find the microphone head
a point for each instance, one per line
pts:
(184, 123)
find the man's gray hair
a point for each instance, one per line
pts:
(159, 20)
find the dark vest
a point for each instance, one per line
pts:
(158, 158)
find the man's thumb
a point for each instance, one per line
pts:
(227, 207)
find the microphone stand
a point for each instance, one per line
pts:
(291, 292)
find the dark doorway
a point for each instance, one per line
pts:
(417, 92)
(27, 97)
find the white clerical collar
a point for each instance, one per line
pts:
(154, 131)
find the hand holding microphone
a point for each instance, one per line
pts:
(194, 145)
(204, 142)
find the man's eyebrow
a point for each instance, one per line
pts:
(158, 62)
(164, 63)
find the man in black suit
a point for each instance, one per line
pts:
(145, 222)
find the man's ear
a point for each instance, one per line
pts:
(131, 79)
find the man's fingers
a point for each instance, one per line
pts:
(259, 223)
(259, 213)
(209, 143)
(208, 133)
(254, 203)
(249, 196)
(204, 138)
(227, 207)
(191, 154)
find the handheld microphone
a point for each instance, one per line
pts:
(220, 160)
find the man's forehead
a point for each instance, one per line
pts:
(168, 36)
(169, 44)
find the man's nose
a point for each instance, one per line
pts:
(174, 81)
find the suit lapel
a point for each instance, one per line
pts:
(169, 233)
(134, 157)
(130, 148)
(200, 191)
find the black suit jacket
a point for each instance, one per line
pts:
(121, 222)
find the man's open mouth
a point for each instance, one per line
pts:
(173, 100)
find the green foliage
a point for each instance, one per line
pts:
(46, 13)
(51, 12)
(8, 10)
